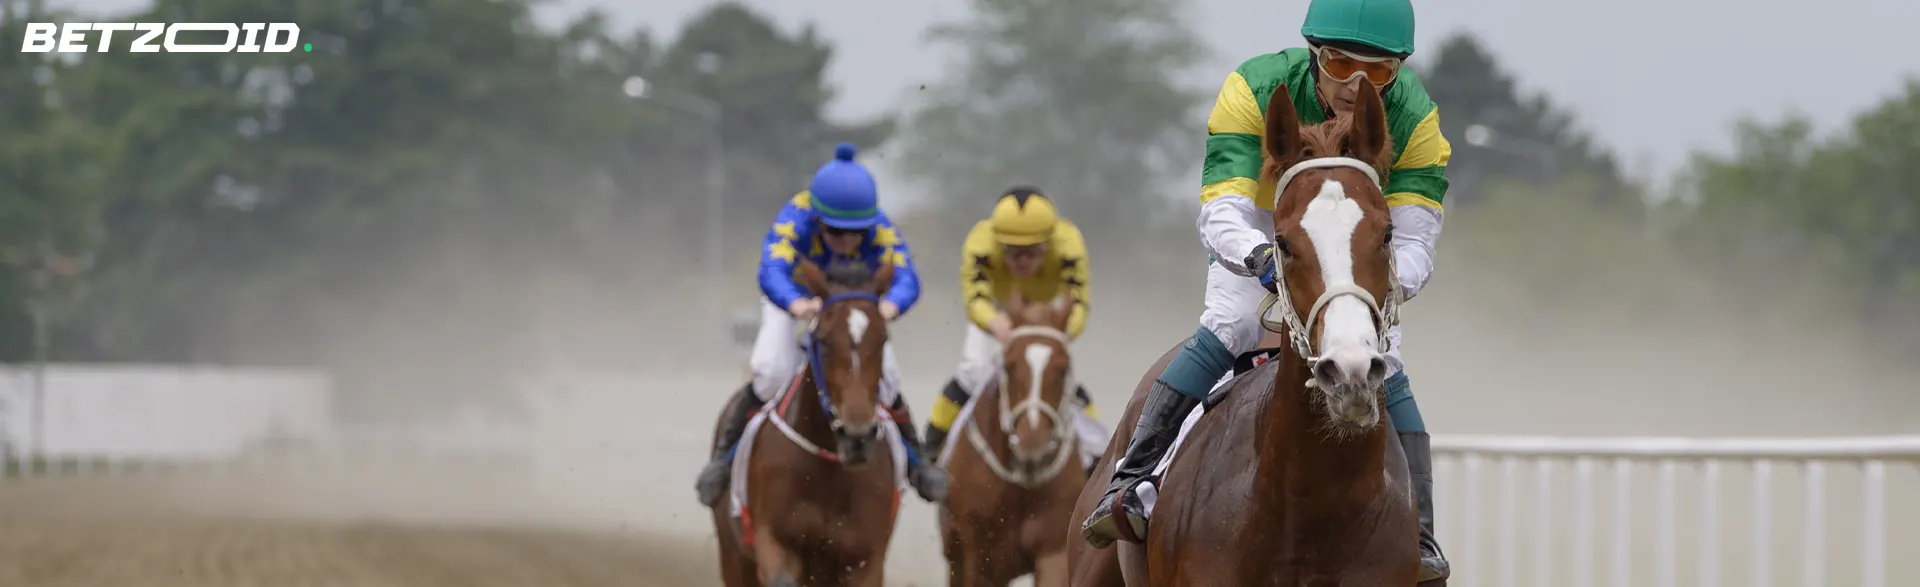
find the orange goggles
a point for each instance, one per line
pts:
(1342, 67)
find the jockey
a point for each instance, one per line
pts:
(1345, 39)
(1025, 244)
(837, 220)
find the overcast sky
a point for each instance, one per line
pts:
(1651, 78)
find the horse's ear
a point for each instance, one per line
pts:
(882, 279)
(1283, 127)
(1369, 136)
(809, 275)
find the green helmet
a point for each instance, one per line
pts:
(1382, 24)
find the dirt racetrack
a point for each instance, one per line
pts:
(270, 531)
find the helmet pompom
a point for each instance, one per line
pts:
(844, 152)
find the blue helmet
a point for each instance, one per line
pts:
(843, 194)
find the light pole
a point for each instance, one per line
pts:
(636, 87)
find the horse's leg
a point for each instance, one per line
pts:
(1050, 569)
(778, 566)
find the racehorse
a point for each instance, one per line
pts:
(822, 494)
(1293, 475)
(1016, 475)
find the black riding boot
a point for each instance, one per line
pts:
(1419, 451)
(714, 477)
(1159, 423)
(951, 397)
(927, 478)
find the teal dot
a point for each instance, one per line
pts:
(308, 47)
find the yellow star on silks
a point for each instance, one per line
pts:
(782, 250)
(885, 236)
(784, 230)
(816, 249)
(893, 256)
(803, 201)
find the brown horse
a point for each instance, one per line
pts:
(1293, 476)
(822, 496)
(1020, 468)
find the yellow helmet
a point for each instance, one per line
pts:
(1023, 216)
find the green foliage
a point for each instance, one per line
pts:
(1073, 96)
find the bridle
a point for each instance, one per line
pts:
(816, 361)
(1386, 315)
(1062, 439)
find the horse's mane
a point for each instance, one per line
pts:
(1323, 140)
(848, 272)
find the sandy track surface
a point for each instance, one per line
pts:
(235, 532)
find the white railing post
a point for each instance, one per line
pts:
(1710, 524)
(1543, 522)
(1762, 558)
(1509, 523)
(1470, 522)
(1666, 541)
(1813, 546)
(1873, 542)
(1622, 522)
(1583, 530)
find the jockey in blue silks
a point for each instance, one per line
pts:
(836, 220)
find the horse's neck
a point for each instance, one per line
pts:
(1296, 444)
(806, 416)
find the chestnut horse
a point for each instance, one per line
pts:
(1018, 473)
(1293, 476)
(822, 493)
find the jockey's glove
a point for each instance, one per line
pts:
(1260, 264)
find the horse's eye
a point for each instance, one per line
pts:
(1284, 248)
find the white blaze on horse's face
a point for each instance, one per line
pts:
(857, 322)
(1038, 356)
(1348, 335)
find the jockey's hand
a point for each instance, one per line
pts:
(1260, 264)
(1000, 327)
(804, 308)
(889, 310)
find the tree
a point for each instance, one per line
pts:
(1535, 141)
(1842, 211)
(1074, 96)
(772, 94)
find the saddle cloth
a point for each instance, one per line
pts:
(1147, 490)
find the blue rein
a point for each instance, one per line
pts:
(816, 364)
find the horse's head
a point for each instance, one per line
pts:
(1331, 238)
(845, 347)
(1036, 376)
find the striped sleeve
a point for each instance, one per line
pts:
(1232, 164)
(1076, 275)
(1420, 175)
(977, 253)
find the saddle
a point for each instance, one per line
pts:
(1243, 364)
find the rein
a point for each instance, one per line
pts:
(1385, 315)
(816, 367)
(1033, 404)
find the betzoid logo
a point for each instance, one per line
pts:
(201, 37)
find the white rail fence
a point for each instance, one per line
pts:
(1510, 515)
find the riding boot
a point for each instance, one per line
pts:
(715, 476)
(940, 420)
(1433, 563)
(1180, 388)
(1159, 423)
(928, 479)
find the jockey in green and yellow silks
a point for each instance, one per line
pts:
(1346, 39)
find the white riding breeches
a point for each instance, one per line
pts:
(778, 356)
(979, 360)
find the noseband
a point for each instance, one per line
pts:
(1033, 404)
(1386, 316)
